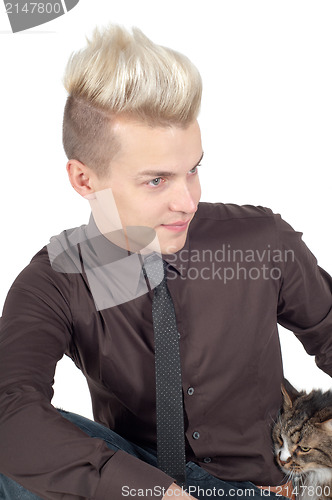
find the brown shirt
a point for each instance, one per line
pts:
(242, 270)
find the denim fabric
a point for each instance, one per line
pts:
(200, 484)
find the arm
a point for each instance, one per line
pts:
(39, 448)
(305, 298)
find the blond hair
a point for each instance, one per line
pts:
(124, 73)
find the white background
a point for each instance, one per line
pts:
(266, 122)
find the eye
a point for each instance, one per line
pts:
(305, 449)
(194, 170)
(155, 182)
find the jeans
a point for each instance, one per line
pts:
(200, 484)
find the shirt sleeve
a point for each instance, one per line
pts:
(305, 297)
(40, 449)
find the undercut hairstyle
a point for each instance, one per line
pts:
(122, 73)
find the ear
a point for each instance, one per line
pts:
(290, 394)
(326, 425)
(81, 177)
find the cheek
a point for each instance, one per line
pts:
(197, 190)
(136, 206)
(277, 448)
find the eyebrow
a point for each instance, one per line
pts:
(162, 173)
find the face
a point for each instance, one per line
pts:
(302, 436)
(298, 452)
(154, 179)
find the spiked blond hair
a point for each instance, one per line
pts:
(123, 73)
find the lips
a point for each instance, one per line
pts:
(178, 223)
(177, 226)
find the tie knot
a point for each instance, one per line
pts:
(155, 269)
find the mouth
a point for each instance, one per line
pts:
(177, 226)
(296, 470)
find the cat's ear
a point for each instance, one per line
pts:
(289, 393)
(326, 425)
(325, 418)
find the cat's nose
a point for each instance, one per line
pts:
(284, 462)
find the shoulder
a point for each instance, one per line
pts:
(231, 211)
(212, 217)
(51, 267)
(247, 225)
(243, 226)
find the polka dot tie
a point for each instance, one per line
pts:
(169, 400)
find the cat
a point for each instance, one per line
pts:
(302, 438)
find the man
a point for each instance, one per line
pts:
(134, 148)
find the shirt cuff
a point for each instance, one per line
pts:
(123, 475)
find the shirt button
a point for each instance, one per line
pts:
(207, 460)
(196, 435)
(191, 391)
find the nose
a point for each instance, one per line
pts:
(184, 198)
(284, 462)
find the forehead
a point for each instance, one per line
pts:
(169, 147)
(296, 426)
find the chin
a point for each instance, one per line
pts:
(172, 247)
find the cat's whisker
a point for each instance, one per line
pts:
(292, 476)
(285, 480)
(273, 420)
(301, 482)
(287, 477)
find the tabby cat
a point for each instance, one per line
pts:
(302, 439)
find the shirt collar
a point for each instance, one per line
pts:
(179, 260)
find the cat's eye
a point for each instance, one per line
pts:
(305, 449)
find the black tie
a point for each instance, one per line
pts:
(169, 400)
